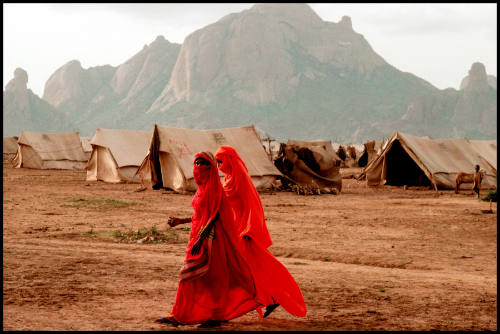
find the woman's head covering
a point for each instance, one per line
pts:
(243, 195)
(208, 197)
(231, 164)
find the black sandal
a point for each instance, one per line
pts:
(270, 308)
(210, 323)
(168, 320)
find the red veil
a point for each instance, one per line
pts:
(243, 196)
(273, 281)
(216, 283)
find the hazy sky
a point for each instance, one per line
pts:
(437, 42)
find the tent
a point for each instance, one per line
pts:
(488, 150)
(50, 151)
(9, 147)
(421, 161)
(311, 164)
(169, 163)
(371, 147)
(87, 148)
(117, 154)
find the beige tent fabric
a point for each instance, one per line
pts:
(117, 154)
(487, 149)
(10, 145)
(50, 151)
(369, 152)
(87, 147)
(440, 160)
(176, 148)
(10, 148)
(128, 147)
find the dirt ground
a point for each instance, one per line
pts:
(367, 259)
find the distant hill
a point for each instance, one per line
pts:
(24, 110)
(112, 97)
(470, 112)
(279, 67)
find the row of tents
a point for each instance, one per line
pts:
(163, 157)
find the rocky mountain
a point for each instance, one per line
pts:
(112, 97)
(470, 112)
(279, 67)
(492, 81)
(284, 69)
(24, 110)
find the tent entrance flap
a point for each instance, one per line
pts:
(402, 170)
(154, 161)
(171, 175)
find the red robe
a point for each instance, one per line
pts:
(273, 281)
(215, 284)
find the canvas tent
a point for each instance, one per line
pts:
(117, 154)
(369, 152)
(87, 148)
(311, 164)
(488, 150)
(169, 163)
(271, 145)
(9, 147)
(50, 151)
(416, 161)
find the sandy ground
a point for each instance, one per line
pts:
(368, 259)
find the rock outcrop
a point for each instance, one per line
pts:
(107, 96)
(24, 110)
(260, 54)
(280, 67)
(141, 79)
(491, 79)
(74, 89)
(469, 112)
(476, 108)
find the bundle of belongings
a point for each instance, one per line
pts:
(312, 165)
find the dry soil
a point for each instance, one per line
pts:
(381, 258)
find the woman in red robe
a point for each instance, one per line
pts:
(275, 285)
(215, 283)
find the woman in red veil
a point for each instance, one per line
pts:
(275, 285)
(215, 283)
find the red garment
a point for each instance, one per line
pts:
(215, 284)
(243, 196)
(273, 281)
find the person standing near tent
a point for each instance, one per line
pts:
(275, 285)
(215, 283)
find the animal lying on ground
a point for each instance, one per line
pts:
(475, 178)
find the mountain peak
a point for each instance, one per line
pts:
(160, 38)
(19, 82)
(294, 11)
(75, 63)
(346, 22)
(478, 80)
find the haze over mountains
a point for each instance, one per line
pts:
(281, 68)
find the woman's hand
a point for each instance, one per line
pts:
(173, 221)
